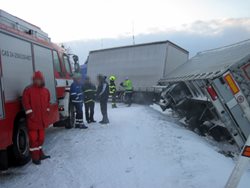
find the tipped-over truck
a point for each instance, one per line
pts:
(211, 91)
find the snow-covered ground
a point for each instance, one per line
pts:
(140, 148)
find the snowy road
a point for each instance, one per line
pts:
(140, 148)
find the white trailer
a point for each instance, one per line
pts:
(144, 64)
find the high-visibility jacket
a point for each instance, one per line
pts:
(89, 91)
(36, 102)
(112, 87)
(128, 86)
(76, 94)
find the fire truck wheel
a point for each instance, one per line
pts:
(20, 148)
(71, 119)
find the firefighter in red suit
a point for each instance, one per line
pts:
(36, 102)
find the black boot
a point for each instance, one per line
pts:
(77, 126)
(83, 126)
(36, 162)
(105, 120)
(92, 121)
(43, 157)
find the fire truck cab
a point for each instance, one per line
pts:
(25, 48)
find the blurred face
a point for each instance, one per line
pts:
(38, 82)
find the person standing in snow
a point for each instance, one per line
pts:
(128, 86)
(89, 91)
(36, 102)
(112, 90)
(76, 98)
(103, 95)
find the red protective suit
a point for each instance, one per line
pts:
(36, 102)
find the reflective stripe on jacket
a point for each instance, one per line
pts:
(112, 87)
(89, 91)
(76, 94)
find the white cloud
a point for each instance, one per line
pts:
(216, 27)
(194, 37)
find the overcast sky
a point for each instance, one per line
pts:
(93, 24)
(95, 19)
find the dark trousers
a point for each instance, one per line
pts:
(113, 98)
(128, 95)
(104, 109)
(89, 111)
(79, 113)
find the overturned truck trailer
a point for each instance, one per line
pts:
(212, 92)
(144, 64)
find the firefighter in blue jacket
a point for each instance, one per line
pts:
(76, 97)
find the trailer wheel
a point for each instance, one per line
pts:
(70, 122)
(193, 123)
(20, 148)
(219, 133)
(124, 98)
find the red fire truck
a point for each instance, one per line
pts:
(25, 48)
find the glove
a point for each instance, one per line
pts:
(29, 115)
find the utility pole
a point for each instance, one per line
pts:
(133, 33)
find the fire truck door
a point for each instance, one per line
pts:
(44, 62)
(233, 107)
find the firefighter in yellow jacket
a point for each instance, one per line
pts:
(112, 90)
(128, 87)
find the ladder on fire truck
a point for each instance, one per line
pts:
(23, 26)
(240, 167)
